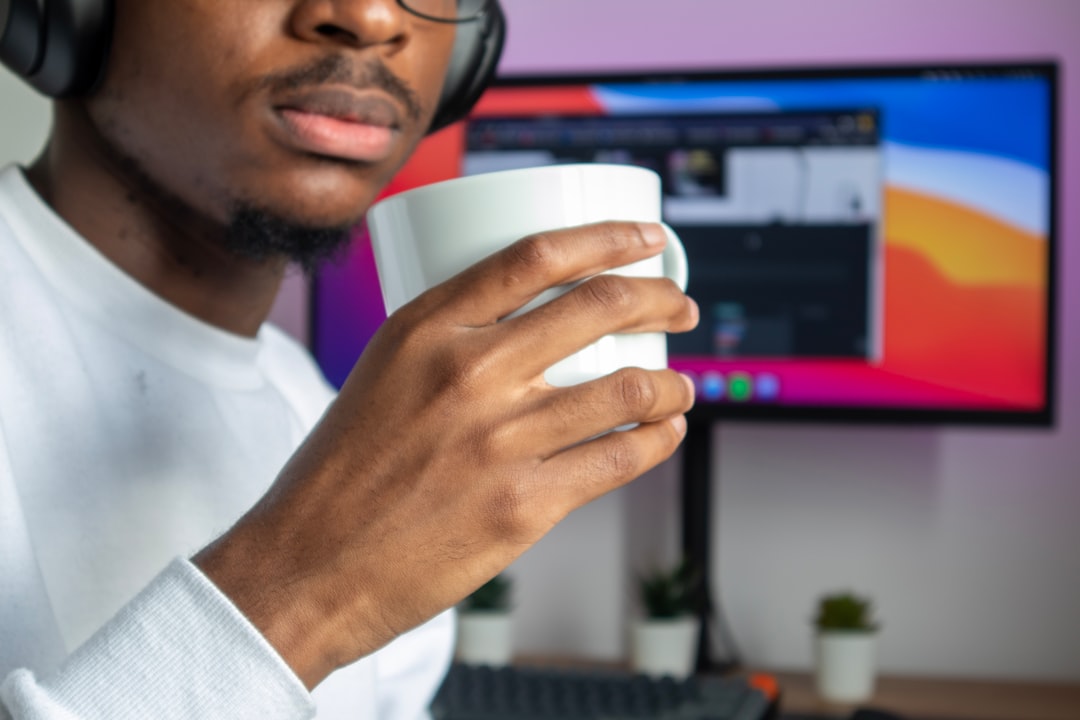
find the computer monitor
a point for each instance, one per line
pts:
(865, 243)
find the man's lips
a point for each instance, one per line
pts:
(340, 123)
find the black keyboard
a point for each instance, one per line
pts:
(473, 692)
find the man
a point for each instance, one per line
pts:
(145, 406)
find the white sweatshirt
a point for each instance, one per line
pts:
(132, 434)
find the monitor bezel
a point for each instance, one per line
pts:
(709, 412)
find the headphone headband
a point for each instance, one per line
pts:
(60, 47)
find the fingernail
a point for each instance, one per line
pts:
(679, 423)
(653, 234)
(690, 385)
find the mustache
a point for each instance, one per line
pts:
(337, 69)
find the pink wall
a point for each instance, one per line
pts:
(574, 34)
(953, 531)
(967, 539)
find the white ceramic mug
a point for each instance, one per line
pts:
(425, 236)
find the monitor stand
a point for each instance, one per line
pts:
(696, 507)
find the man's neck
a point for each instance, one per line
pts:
(173, 251)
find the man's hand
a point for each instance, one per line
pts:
(447, 455)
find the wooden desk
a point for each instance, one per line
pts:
(942, 699)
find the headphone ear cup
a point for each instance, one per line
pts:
(473, 62)
(21, 22)
(58, 46)
(76, 42)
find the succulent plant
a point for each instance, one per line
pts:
(845, 611)
(670, 593)
(492, 596)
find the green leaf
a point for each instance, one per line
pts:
(845, 611)
(672, 592)
(492, 596)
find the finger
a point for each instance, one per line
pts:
(602, 305)
(584, 472)
(507, 280)
(570, 415)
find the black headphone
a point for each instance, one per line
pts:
(60, 47)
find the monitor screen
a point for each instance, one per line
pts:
(864, 243)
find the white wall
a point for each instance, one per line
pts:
(968, 539)
(24, 120)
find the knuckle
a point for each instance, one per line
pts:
(534, 252)
(405, 335)
(612, 293)
(622, 457)
(489, 446)
(637, 390)
(458, 368)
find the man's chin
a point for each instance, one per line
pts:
(262, 235)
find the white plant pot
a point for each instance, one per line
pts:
(845, 664)
(664, 647)
(485, 638)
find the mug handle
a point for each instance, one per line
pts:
(676, 266)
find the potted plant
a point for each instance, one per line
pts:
(664, 642)
(485, 634)
(845, 648)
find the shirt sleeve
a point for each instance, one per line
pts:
(180, 649)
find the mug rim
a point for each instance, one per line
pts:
(463, 181)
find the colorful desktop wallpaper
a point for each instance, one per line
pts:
(965, 231)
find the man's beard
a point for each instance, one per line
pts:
(261, 235)
(250, 231)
